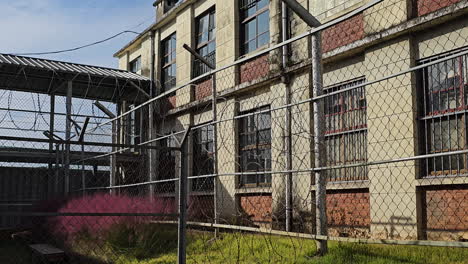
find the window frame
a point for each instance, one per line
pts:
(258, 147)
(199, 67)
(136, 61)
(244, 22)
(172, 63)
(432, 117)
(341, 138)
(198, 150)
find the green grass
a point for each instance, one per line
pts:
(159, 247)
(155, 244)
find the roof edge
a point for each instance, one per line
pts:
(156, 25)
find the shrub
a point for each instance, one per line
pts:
(66, 227)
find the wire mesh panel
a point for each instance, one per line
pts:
(229, 164)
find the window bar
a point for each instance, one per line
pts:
(433, 121)
(424, 82)
(342, 158)
(439, 76)
(463, 102)
(450, 158)
(458, 104)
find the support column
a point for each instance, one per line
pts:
(68, 105)
(183, 191)
(319, 146)
(215, 149)
(151, 135)
(50, 185)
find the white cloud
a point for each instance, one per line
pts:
(46, 25)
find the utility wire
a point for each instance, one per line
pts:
(87, 45)
(77, 48)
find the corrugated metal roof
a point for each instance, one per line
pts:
(67, 67)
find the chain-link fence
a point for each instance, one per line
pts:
(354, 131)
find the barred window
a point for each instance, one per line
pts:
(206, 42)
(346, 131)
(255, 24)
(168, 70)
(443, 87)
(167, 166)
(135, 65)
(255, 148)
(203, 153)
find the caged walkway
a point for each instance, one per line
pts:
(50, 138)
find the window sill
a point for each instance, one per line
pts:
(340, 185)
(254, 190)
(442, 180)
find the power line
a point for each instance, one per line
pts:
(77, 48)
(87, 45)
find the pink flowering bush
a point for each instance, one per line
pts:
(66, 227)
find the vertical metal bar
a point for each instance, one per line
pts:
(68, 105)
(51, 144)
(288, 139)
(151, 152)
(439, 93)
(424, 113)
(215, 152)
(182, 223)
(113, 157)
(83, 173)
(433, 120)
(319, 150)
(57, 169)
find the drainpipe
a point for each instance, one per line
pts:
(288, 140)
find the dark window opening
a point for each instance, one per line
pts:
(203, 154)
(346, 131)
(168, 63)
(167, 166)
(169, 4)
(443, 115)
(255, 148)
(135, 65)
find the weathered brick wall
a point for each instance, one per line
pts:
(447, 209)
(256, 207)
(254, 69)
(343, 33)
(203, 89)
(428, 6)
(348, 208)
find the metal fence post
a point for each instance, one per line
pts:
(182, 223)
(215, 152)
(319, 147)
(68, 124)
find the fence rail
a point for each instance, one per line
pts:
(368, 145)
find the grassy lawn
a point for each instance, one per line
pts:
(157, 245)
(160, 248)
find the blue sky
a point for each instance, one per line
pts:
(48, 25)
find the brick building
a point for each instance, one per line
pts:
(389, 119)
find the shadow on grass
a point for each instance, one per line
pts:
(359, 253)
